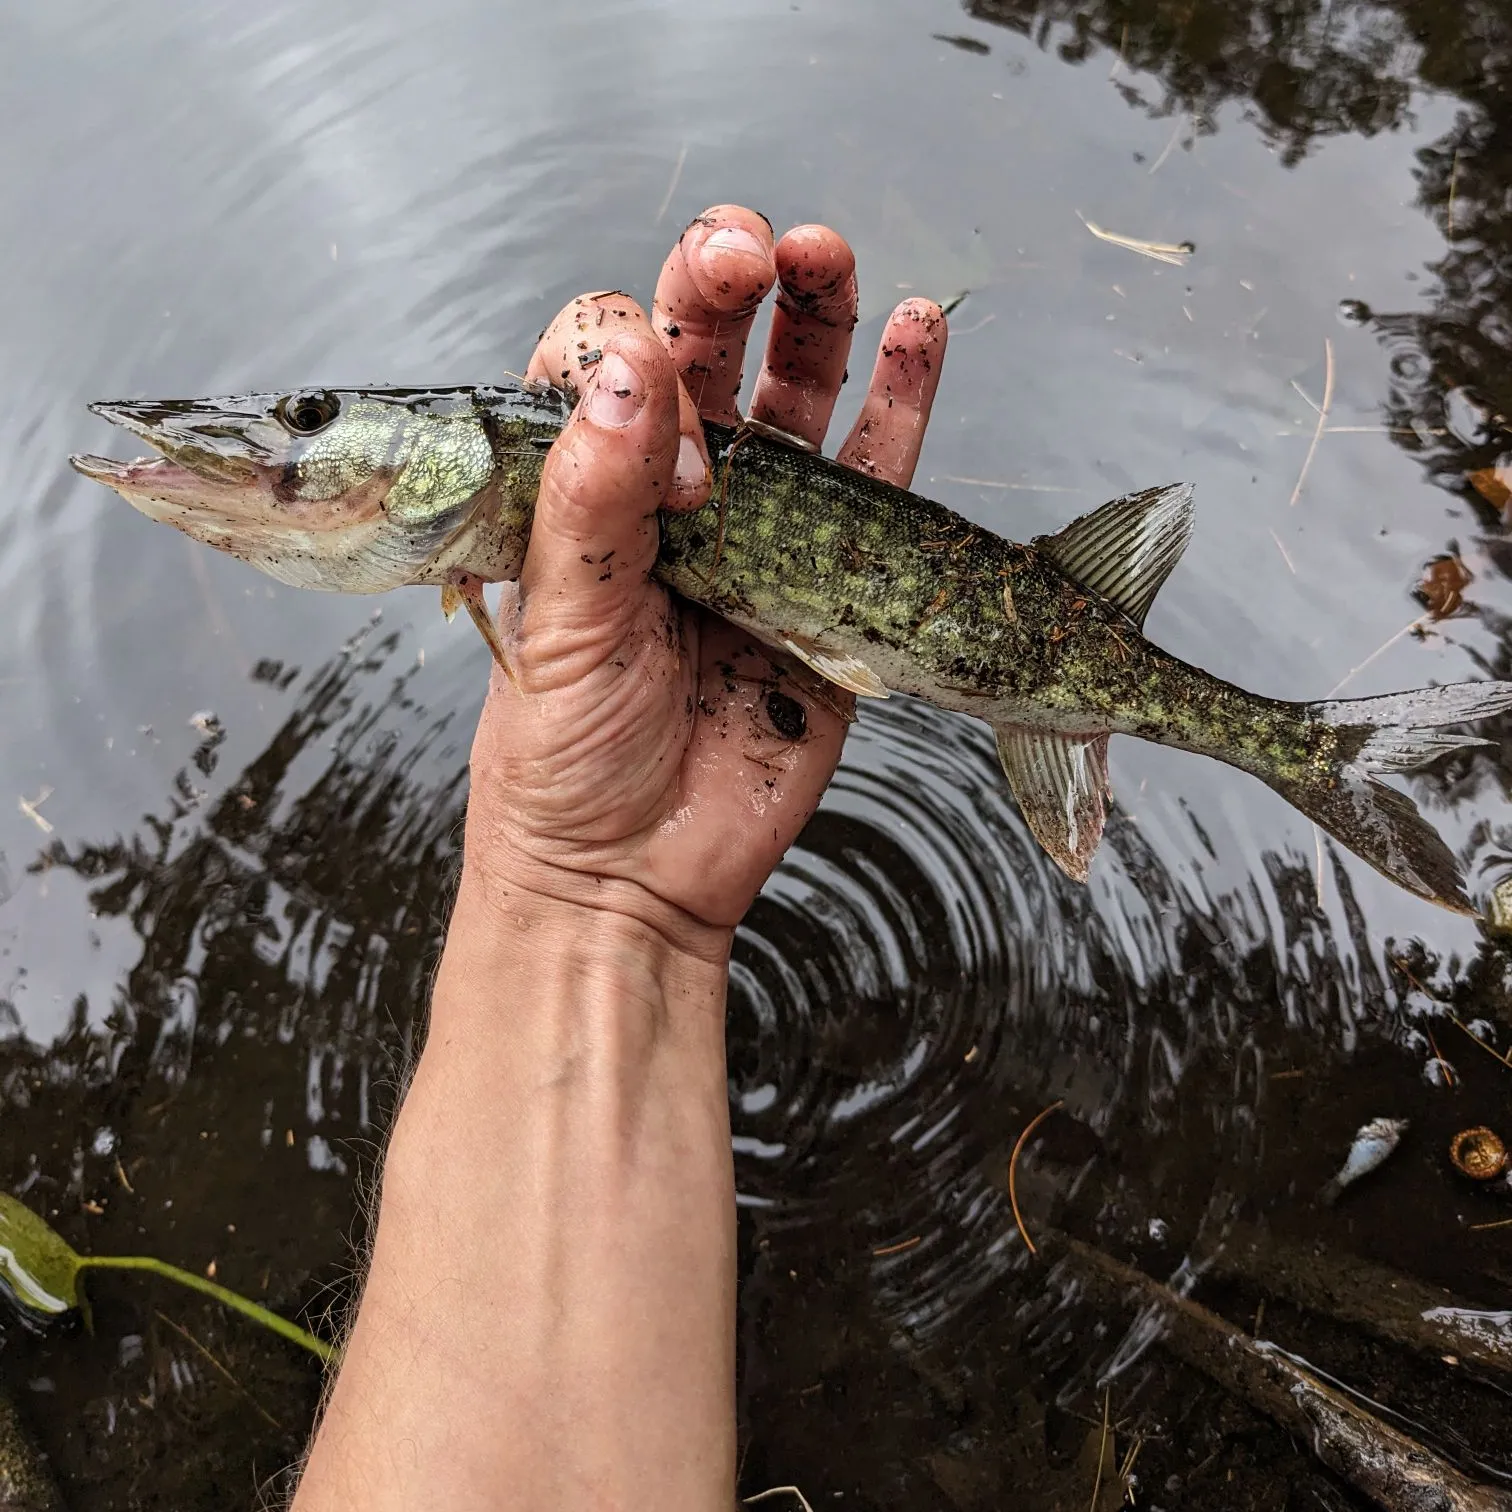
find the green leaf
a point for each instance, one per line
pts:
(37, 1266)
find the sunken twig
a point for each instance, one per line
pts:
(1396, 1472)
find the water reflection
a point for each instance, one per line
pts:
(1305, 74)
(913, 986)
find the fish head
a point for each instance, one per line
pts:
(353, 491)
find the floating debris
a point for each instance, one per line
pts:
(966, 44)
(42, 1274)
(1175, 253)
(1372, 1144)
(1493, 484)
(1498, 913)
(1013, 1160)
(29, 807)
(1323, 409)
(1478, 1153)
(1442, 589)
(792, 1491)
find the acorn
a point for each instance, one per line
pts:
(1479, 1153)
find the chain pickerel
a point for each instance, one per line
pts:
(876, 588)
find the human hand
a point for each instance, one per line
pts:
(643, 758)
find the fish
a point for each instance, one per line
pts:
(1373, 1142)
(875, 588)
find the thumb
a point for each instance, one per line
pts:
(595, 534)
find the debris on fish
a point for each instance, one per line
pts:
(876, 589)
(1372, 1144)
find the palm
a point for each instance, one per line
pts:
(641, 739)
(662, 764)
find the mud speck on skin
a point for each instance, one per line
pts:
(787, 715)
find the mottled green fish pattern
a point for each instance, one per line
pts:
(876, 588)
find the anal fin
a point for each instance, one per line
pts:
(1061, 784)
(836, 666)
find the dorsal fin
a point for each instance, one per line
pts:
(1125, 550)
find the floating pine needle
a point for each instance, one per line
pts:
(189, 1339)
(1013, 1160)
(1438, 1058)
(1175, 253)
(1328, 393)
(29, 807)
(1102, 1448)
(1285, 554)
(1380, 650)
(1501, 1060)
(1170, 146)
(1123, 43)
(1478, 1228)
(682, 157)
(761, 1496)
(998, 483)
(898, 1249)
(976, 325)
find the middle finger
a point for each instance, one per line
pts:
(811, 333)
(710, 287)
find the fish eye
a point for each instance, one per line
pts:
(305, 414)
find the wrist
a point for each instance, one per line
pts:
(568, 947)
(511, 892)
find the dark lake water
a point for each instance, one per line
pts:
(229, 810)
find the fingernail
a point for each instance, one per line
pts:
(618, 392)
(734, 241)
(691, 480)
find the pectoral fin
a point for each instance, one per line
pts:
(837, 666)
(466, 591)
(1061, 784)
(1126, 550)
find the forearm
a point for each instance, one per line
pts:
(548, 1318)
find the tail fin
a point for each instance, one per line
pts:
(1389, 736)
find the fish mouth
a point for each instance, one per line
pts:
(143, 473)
(217, 442)
(214, 457)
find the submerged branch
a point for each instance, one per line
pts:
(1396, 1472)
(1385, 1302)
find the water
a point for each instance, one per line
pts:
(215, 933)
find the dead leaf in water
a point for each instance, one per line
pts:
(1494, 485)
(1442, 590)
